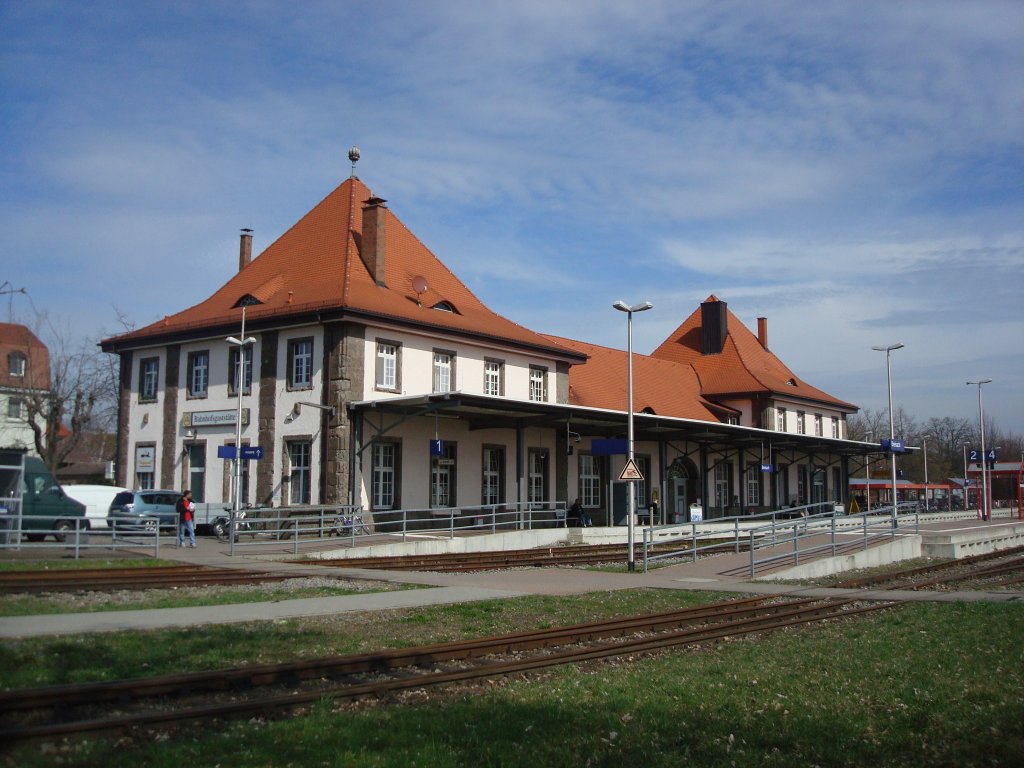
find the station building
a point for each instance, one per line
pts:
(376, 378)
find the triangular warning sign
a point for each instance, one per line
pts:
(630, 471)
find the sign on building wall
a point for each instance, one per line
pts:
(192, 419)
(145, 458)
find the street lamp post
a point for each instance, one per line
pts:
(924, 440)
(985, 511)
(242, 342)
(630, 500)
(867, 469)
(892, 427)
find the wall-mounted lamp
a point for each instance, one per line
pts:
(145, 419)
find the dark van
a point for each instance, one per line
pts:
(39, 506)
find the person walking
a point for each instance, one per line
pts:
(186, 519)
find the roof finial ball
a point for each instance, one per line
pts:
(353, 155)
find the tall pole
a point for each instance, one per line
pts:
(867, 469)
(630, 488)
(892, 426)
(924, 439)
(243, 342)
(236, 500)
(966, 481)
(985, 507)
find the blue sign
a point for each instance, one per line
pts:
(767, 468)
(248, 452)
(437, 447)
(990, 456)
(896, 446)
(611, 447)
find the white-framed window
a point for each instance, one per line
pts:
(442, 477)
(835, 427)
(300, 453)
(494, 378)
(723, 484)
(753, 485)
(145, 466)
(300, 363)
(538, 384)
(16, 364)
(149, 373)
(197, 471)
(233, 357)
(385, 475)
(643, 463)
(819, 425)
(15, 408)
(590, 481)
(493, 467)
(780, 415)
(444, 363)
(198, 374)
(387, 366)
(801, 423)
(537, 475)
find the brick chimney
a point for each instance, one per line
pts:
(762, 331)
(245, 249)
(375, 214)
(714, 326)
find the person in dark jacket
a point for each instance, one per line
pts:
(186, 519)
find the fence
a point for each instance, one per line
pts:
(802, 528)
(312, 524)
(19, 533)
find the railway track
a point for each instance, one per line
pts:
(1003, 567)
(162, 702)
(94, 579)
(590, 554)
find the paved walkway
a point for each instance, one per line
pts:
(718, 574)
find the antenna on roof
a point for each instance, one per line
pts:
(419, 284)
(353, 156)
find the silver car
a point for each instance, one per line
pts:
(134, 510)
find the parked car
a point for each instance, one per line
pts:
(97, 499)
(128, 509)
(39, 508)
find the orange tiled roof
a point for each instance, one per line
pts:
(665, 387)
(316, 266)
(743, 366)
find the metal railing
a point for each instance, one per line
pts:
(314, 524)
(20, 533)
(702, 537)
(805, 535)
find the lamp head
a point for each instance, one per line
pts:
(890, 348)
(624, 307)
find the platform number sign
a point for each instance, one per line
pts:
(990, 456)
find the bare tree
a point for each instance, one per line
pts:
(74, 394)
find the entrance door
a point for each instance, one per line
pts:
(680, 503)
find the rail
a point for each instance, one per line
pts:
(19, 533)
(805, 535)
(256, 527)
(711, 536)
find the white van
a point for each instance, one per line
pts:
(97, 500)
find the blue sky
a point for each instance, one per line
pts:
(854, 172)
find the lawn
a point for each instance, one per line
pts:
(925, 684)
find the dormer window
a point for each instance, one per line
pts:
(16, 364)
(791, 382)
(444, 306)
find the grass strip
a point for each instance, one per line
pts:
(923, 685)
